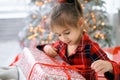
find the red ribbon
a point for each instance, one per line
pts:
(116, 50)
(63, 65)
(112, 50)
(17, 58)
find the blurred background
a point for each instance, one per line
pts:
(23, 24)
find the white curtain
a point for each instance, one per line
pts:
(13, 8)
(112, 6)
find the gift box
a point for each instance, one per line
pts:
(115, 52)
(36, 65)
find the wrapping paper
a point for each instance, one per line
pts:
(115, 52)
(36, 65)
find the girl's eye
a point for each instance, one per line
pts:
(67, 33)
(58, 35)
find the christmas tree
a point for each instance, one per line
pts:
(98, 23)
(94, 13)
(36, 28)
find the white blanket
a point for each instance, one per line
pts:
(11, 73)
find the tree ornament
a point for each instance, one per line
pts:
(61, 1)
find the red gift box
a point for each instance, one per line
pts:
(36, 65)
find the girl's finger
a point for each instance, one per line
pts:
(96, 64)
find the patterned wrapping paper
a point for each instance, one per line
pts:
(33, 71)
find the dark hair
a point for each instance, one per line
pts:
(66, 13)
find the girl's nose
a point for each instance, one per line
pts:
(64, 39)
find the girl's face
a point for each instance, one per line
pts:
(69, 34)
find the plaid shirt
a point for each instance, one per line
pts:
(86, 53)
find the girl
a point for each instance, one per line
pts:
(74, 46)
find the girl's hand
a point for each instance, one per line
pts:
(101, 66)
(51, 51)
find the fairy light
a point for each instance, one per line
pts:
(34, 16)
(92, 14)
(94, 27)
(30, 28)
(42, 42)
(97, 35)
(102, 36)
(49, 0)
(41, 29)
(39, 3)
(44, 17)
(49, 36)
(84, 30)
(93, 17)
(32, 36)
(102, 23)
(46, 42)
(82, 6)
(85, 1)
(35, 30)
(46, 1)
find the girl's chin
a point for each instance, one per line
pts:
(70, 44)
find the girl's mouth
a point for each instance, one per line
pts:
(68, 42)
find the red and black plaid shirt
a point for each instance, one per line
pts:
(86, 53)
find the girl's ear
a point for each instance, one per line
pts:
(81, 21)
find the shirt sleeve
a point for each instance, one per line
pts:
(98, 53)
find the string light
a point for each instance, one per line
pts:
(35, 30)
(86, 1)
(39, 3)
(41, 30)
(34, 16)
(82, 6)
(32, 36)
(48, 0)
(93, 17)
(94, 27)
(44, 17)
(97, 35)
(102, 23)
(30, 28)
(102, 36)
(50, 36)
